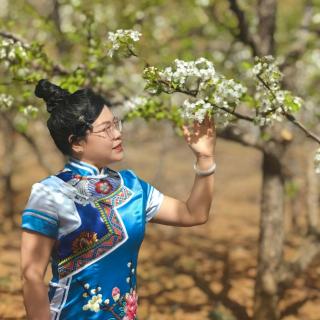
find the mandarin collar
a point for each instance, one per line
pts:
(84, 168)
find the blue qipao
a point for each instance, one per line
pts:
(98, 220)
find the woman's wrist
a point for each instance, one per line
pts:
(205, 165)
(203, 162)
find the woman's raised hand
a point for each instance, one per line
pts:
(201, 137)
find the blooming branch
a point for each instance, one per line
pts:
(123, 40)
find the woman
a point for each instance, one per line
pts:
(89, 220)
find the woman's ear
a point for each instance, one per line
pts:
(77, 145)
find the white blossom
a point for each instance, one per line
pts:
(317, 161)
(280, 96)
(195, 110)
(203, 3)
(316, 18)
(121, 37)
(10, 49)
(267, 68)
(11, 54)
(93, 304)
(3, 53)
(200, 115)
(270, 99)
(257, 69)
(135, 102)
(6, 43)
(228, 92)
(202, 70)
(298, 101)
(30, 110)
(6, 102)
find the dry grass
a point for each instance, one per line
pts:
(184, 273)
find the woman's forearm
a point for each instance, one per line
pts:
(201, 196)
(35, 294)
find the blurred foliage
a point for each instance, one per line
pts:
(65, 41)
(292, 189)
(220, 313)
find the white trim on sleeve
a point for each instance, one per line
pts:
(153, 203)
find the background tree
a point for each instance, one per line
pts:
(230, 33)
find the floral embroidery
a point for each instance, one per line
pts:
(124, 306)
(94, 303)
(115, 293)
(131, 306)
(84, 240)
(93, 188)
(115, 235)
(103, 186)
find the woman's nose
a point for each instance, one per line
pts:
(116, 133)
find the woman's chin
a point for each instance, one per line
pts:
(116, 158)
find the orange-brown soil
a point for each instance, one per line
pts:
(184, 273)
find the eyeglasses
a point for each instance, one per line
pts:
(109, 127)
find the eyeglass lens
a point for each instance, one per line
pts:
(116, 124)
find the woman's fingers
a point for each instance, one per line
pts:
(185, 129)
(186, 133)
(199, 129)
(210, 124)
(209, 121)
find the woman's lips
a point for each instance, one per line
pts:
(118, 147)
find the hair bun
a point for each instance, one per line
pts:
(52, 94)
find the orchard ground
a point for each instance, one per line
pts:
(183, 273)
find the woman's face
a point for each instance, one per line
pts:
(102, 147)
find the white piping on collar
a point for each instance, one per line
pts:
(89, 168)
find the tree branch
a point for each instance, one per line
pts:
(291, 117)
(267, 26)
(194, 93)
(308, 252)
(56, 68)
(215, 17)
(31, 143)
(299, 48)
(234, 134)
(244, 33)
(237, 114)
(14, 38)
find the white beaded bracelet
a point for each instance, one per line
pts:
(203, 173)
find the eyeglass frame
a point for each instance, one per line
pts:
(116, 123)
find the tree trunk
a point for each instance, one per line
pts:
(267, 10)
(298, 205)
(270, 241)
(312, 195)
(7, 222)
(272, 200)
(295, 167)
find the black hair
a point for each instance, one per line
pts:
(70, 113)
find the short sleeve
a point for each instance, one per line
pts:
(154, 199)
(41, 212)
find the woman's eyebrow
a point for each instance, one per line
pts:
(104, 122)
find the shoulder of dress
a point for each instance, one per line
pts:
(52, 183)
(129, 177)
(128, 174)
